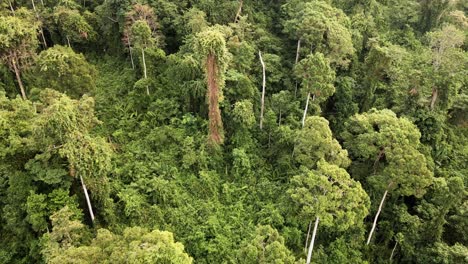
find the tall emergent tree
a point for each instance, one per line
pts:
(18, 43)
(141, 32)
(71, 24)
(329, 195)
(448, 59)
(317, 79)
(64, 129)
(211, 46)
(389, 146)
(322, 27)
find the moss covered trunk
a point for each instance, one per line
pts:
(215, 134)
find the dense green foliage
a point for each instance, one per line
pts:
(129, 131)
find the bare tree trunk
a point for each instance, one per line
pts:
(18, 78)
(305, 110)
(40, 29)
(376, 162)
(131, 56)
(376, 217)
(308, 233)
(393, 251)
(241, 2)
(11, 8)
(88, 201)
(215, 135)
(311, 247)
(297, 60)
(144, 63)
(43, 38)
(144, 68)
(263, 89)
(435, 94)
(297, 50)
(34, 6)
(68, 41)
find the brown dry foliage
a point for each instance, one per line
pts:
(139, 12)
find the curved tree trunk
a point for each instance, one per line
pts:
(263, 90)
(144, 68)
(215, 134)
(88, 201)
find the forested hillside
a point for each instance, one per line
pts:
(233, 131)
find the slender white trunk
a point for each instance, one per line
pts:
(68, 41)
(312, 241)
(144, 63)
(34, 6)
(18, 78)
(376, 217)
(297, 60)
(40, 29)
(11, 8)
(131, 56)
(308, 233)
(239, 10)
(305, 110)
(43, 38)
(88, 201)
(297, 50)
(393, 251)
(263, 89)
(144, 68)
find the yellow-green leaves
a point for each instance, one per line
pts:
(64, 128)
(316, 75)
(267, 246)
(390, 147)
(329, 193)
(135, 245)
(61, 69)
(315, 142)
(323, 28)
